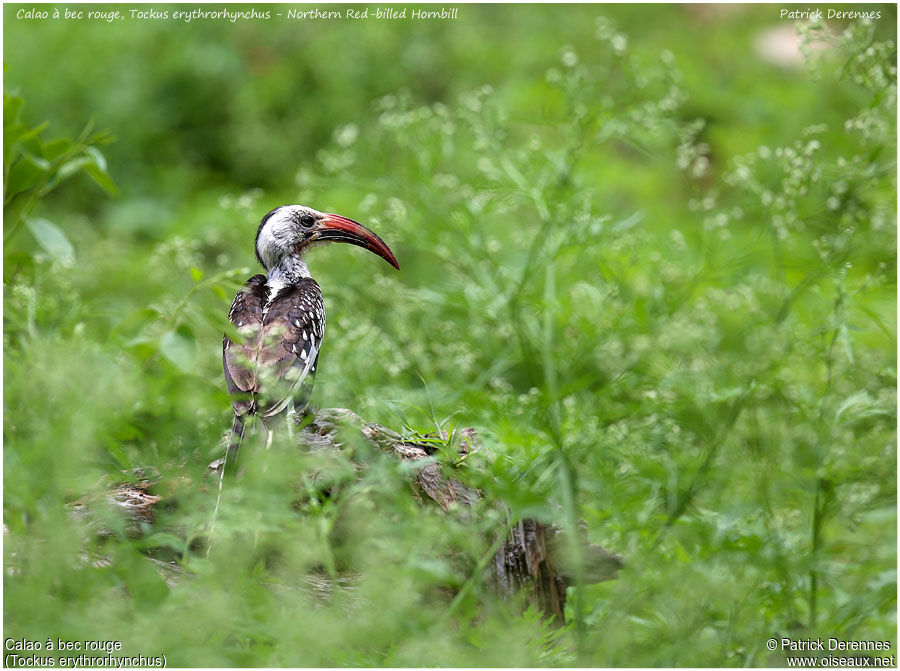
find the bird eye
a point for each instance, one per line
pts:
(307, 220)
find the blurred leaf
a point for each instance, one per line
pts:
(134, 322)
(70, 167)
(18, 137)
(161, 539)
(117, 452)
(55, 148)
(97, 156)
(11, 106)
(24, 174)
(143, 347)
(53, 240)
(103, 180)
(180, 348)
(97, 170)
(12, 129)
(138, 575)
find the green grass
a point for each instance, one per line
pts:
(656, 273)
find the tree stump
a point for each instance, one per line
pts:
(529, 561)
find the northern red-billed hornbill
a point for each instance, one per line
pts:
(281, 317)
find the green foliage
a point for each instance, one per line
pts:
(667, 304)
(32, 168)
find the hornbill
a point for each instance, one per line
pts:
(281, 317)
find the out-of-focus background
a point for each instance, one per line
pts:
(648, 252)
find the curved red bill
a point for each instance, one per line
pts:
(336, 228)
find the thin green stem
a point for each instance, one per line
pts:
(570, 504)
(818, 509)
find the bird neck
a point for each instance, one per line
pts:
(290, 270)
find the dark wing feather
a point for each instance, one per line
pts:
(276, 363)
(239, 358)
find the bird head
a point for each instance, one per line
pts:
(292, 229)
